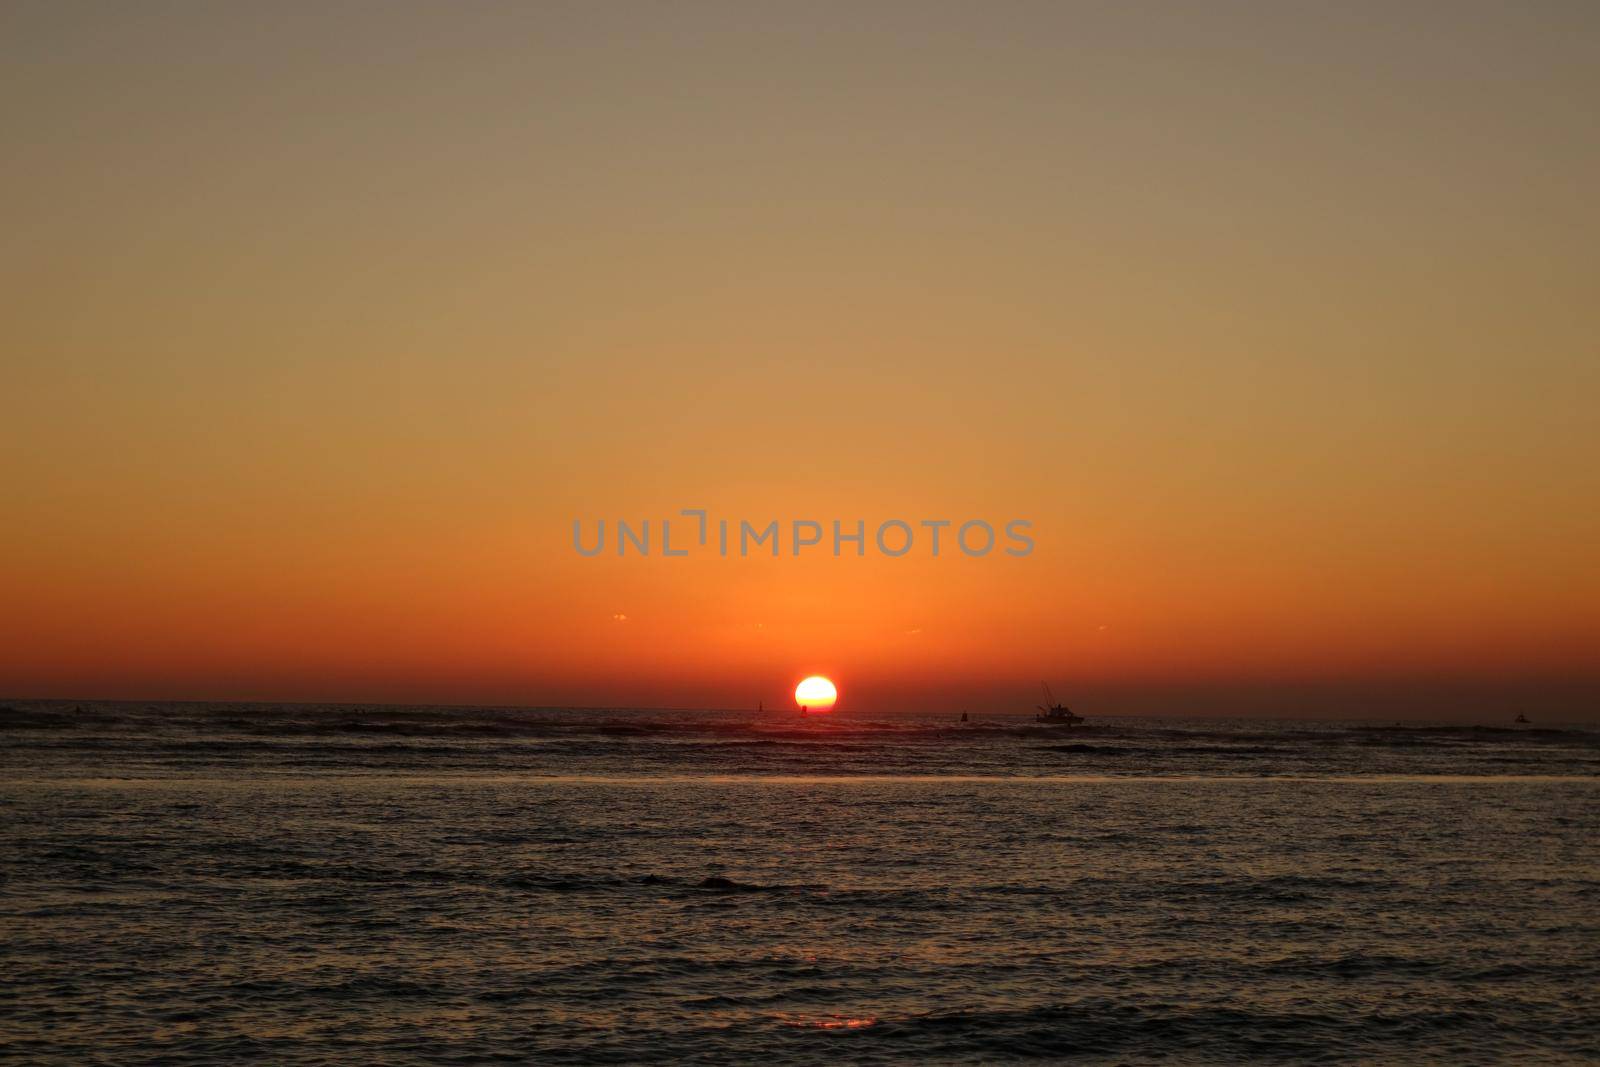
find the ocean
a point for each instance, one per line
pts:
(208, 883)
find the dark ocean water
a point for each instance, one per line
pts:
(216, 883)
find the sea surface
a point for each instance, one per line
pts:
(195, 883)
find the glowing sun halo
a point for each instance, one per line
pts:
(816, 693)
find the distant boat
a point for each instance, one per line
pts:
(1520, 718)
(1054, 713)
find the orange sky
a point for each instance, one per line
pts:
(1279, 324)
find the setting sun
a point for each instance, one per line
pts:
(816, 693)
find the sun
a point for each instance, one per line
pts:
(816, 693)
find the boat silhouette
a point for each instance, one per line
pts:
(1054, 713)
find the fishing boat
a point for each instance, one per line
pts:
(1054, 713)
(1520, 718)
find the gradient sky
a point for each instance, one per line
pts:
(1279, 321)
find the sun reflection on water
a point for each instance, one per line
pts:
(830, 1022)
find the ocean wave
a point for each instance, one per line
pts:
(146, 741)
